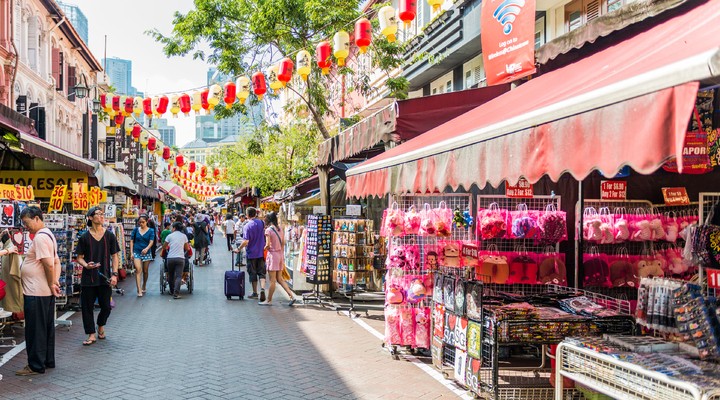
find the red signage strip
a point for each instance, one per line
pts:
(508, 39)
(522, 190)
(613, 190)
(676, 196)
(713, 278)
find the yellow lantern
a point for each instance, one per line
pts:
(122, 106)
(435, 4)
(144, 137)
(272, 77)
(174, 105)
(137, 106)
(155, 101)
(242, 85)
(388, 23)
(341, 47)
(197, 101)
(214, 96)
(129, 123)
(303, 61)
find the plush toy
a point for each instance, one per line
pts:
(621, 273)
(596, 273)
(412, 221)
(493, 269)
(606, 234)
(451, 255)
(672, 230)
(396, 258)
(658, 233)
(523, 269)
(442, 228)
(643, 231)
(395, 295)
(675, 264)
(458, 219)
(650, 267)
(416, 291)
(492, 227)
(622, 232)
(552, 271)
(553, 225)
(422, 328)
(468, 218)
(407, 323)
(524, 227)
(427, 227)
(392, 326)
(593, 232)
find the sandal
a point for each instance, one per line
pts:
(88, 342)
(101, 336)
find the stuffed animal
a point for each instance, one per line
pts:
(395, 295)
(468, 218)
(451, 254)
(606, 234)
(622, 232)
(412, 221)
(427, 227)
(492, 227)
(524, 227)
(442, 228)
(493, 269)
(593, 232)
(396, 258)
(458, 219)
(675, 264)
(621, 273)
(523, 269)
(552, 271)
(416, 291)
(650, 267)
(395, 223)
(596, 273)
(643, 231)
(658, 233)
(422, 328)
(672, 230)
(392, 326)
(407, 323)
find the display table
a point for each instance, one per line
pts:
(4, 315)
(620, 379)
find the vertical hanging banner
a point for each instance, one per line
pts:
(94, 196)
(508, 39)
(57, 198)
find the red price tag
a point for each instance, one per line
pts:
(713, 278)
(522, 190)
(613, 190)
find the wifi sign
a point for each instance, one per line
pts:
(506, 12)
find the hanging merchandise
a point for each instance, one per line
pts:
(7, 219)
(363, 34)
(230, 91)
(524, 224)
(304, 66)
(341, 47)
(242, 86)
(216, 92)
(388, 23)
(407, 10)
(285, 71)
(259, 85)
(323, 52)
(492, 222)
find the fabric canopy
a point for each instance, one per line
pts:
(37, 147)
(626, 105)
(109, 177)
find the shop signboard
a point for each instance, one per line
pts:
(353, 210)
(110, 150)
(508, 39)
(57, 198)
(613, 190)
(319, 210)
(675, 196)
(54, 221)
(522, 190)
(120, 198)
(713, 278)
(80, 196)
(17, 192)
(43, 182)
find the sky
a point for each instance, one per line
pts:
(153, 73)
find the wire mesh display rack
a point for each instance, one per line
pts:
(515, 365)
(707, 202)
(619, 379)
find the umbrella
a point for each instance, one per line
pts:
(174, 190)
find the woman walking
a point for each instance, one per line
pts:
(141, 242)
(176, 244)
(275, 261)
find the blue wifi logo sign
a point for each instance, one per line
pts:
(506, 13)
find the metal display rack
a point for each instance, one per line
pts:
(620, 379)
(707, 201)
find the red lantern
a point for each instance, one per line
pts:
(323, 54)
(285, 71)
(166, 153)
(119, 119)
(147, 107)
(129, 105)
(116, 103)
(407, 11)
(163, 103)
(136, 130)
(203, 171)
(152, 143)
(216, 172)
(191, 167)
(179, 160)
(363, 34)
(103, 101)
(230, 91)
(185, 105)
(259, 85)
(204, 99)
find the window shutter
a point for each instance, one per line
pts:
(592, 10)
(56, 68)
(61, 69)
(480, 76)
(32, 44)
(71, 82)
(17, 22)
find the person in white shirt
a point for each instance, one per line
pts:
(239, 225)
(229, 231)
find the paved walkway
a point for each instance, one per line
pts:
(206, 347)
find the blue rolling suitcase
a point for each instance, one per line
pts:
(234, 283)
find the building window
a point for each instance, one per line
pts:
(468, 79)
(539, 32)
(613, 5)
(448, 87)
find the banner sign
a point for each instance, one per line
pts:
(522, 190)
(110, 150)
(57, 198)
(43, 182)
(17, 192)
(613, 190)
(676, 196)
(508, 39)
(80, 196)
(713, 278)
(94, 196)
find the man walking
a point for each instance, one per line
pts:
(229, 230)
(254, 240)
(95, 249)
(239, 226)
(40, 274)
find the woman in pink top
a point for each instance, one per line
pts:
(275, 261)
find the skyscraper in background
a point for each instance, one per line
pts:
(167, 133)
(77, 19)
(119, 72)
(209, 129)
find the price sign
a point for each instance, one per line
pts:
(353, 209)
(94, 196)
(713, 278)
(103, 196)
(57, 198)
(17, 192)
(80, 196)
(522, 190)
(110, 211)
(675, 196)
(613, 190)
(319, 210)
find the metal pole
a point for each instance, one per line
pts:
(579, 233)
